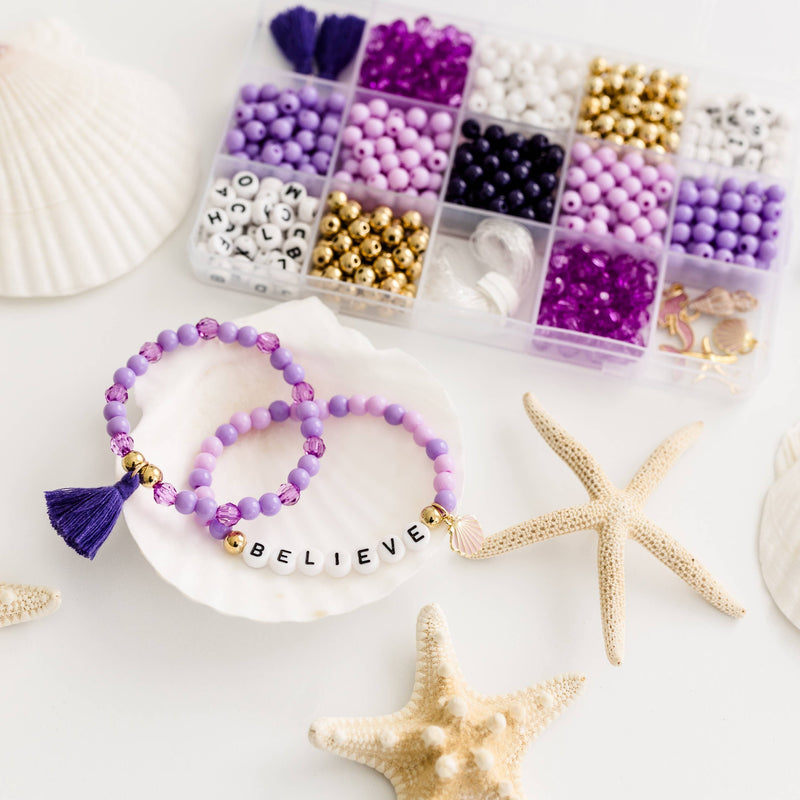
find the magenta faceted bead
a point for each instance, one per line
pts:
(152, 351)
(288, 494)
(164, 494)
(314, 446)
(302, 391)
(207, 328)
(116, 394)
(121, 444)
(267, 342)
(228, 514)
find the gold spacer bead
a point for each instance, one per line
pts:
(604, 123)
(655, 91)
(633, 86)
(336, 200)
(321, 255)
(150, 475)
(594, 85)
(332, 272)
(615, 138)
(341, 243)
(673, 118)
(358, 229)
(590, 106)
(679, 81)
(403, 257)
(414, 272)
(365, 276)
(393, 235)
(598, 65)
(391, 284)
(613, 83)
(676, 97)
(133, 461)
(330, 225)
(411, 220)
(371, 247)
(659, 76)
(235, 543)
(432, 515)
(635, 141)
(418, 242)
(648, 132)
(349, 262)
(630, 104)
(584, 126)
(653, 111)
(349, 211)
(625, 127)
(638, 71)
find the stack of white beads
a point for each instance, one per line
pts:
(527, 82)
(259, 225)
(737, 132)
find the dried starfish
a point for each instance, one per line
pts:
(21, 603)
(616, 515)
(448, 742)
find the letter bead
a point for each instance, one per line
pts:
(295, 247)
(215, 220)
(365, 560)
(268, 237)
(262, 205)
(245, 246)
(246, 184)
(281, 215)
(282, 561)
(220, 244)
(256, 554)
(307, 208)
(222, 193)
(338, 564)
(310, 562)
(240, 212)
(292, 193)
(416, 536)
(301, 230)
(391, 550)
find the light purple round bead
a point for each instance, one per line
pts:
(241, 421)
(199, 477)
(281, 358)
(312, 426)
(446, 499)
(227, 332)
(114, 409)
(279, 411)
(293, 373)
(299, 478)
(338, 405)
(309, 463)
(249, 93)
(217, 529)
(270, 504)
(307, 409)
(261, 418)
(125, 377)
(188, 335)
(266, 112)
(269, 91)
(138, 364)
(249, 507)
(205, 509)
(435, 448)
(247, 336)
(185, 502)
(118, 425)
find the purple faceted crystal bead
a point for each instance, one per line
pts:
(302, 392)
(228, 514)
(207, 328)
(288, 494)
(267, 342)
(116, 394)
(314, 446)
(151, 351)
(121, 444)
(164, 494)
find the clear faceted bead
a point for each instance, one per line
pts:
(121, 444)
(152, 351)
(207, 328)
(116, 393)
(164, 494)
(302, 391)
(267, 342)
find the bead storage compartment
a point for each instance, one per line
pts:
(551, 78)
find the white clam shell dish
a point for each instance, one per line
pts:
(374, 480)
(779, 539)
(98, 165)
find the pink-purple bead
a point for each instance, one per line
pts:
(164, 494)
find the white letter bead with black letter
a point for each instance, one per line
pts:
(220, 244)
(246, 184)
(293, 192)
(307, 208)
(295, 247)
(365, 560)
(256, 554)
(310, 562)
(283, 561)
(391, 549)
(269, 237)
(416, 536)
(240, 211)
(337, 563)
(281, 214)
(262, 205)
(215, 220)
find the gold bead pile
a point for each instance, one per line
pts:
(626, 105)
(370, 248)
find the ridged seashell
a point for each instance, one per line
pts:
(20, 603)
(779, 537)
(97, 166)
(733, 336)
(719, 302)
(466, 535)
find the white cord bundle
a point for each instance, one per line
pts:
(505, 250)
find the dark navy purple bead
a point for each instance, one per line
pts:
(471, 128)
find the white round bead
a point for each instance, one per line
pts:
(690, 133)
(501, 69)
(270, 184)
(262, 205)
(718, 139)
(549, 85)
(564, 102)
(531, 117)
(281, 214)
(554, 53)
(240, 212)
(310, 562)
(416, 536)
(219, 244)
(269, 237)
(704, 137)
(497, 110)
(487, 54)
(483, 77)
(245, 184)
(215, 220)
(510, 50)
(772, 167)
(546, 107)
(515, 102)
(495, 92)
(366, 560)
(770, 148)
(533, 93)
(256, 554)
(751, 159)
(523, 70)
(292, 193)
(245, 245)
(391, 549)
(283, 561)
(337, 564)
(746, 113)
(295, 247)
(307, 208)
(722, 157)
(533, 51)
(478, 103)
(702, 153)
(736, 144)
(242, 263)
(221, 193)
(547, 70)
(688, 149)
(569, 79)
(757, 132)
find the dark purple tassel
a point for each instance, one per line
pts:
(337, 43)
(295, 32)
(85, 517)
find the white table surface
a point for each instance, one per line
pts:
(132, 691)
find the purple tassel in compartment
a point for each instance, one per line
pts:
(337, 43)
(85, 517)
(295, 32)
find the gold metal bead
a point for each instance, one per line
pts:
(630, 104)
(655, 91)
(617, 69)
(605, 103)
(673, 117)
(638, 71)
(235, 543)
(393, 235)
(635, 141)
(431, 516)
(401, 278)
(391, 284)
(349, 262)
(669, 140)
(659, 76)
(676, 97)
(365, 276)
(321, 255)
(633, 86)
(349, 211)
(371, 247)
(332, 272)
(383, 266)
(330, 225)
(584, 126)
(403, 256)
(133, 461)
(593, 134)
(380, 218)
(418, 242)
(648, 132)
(411, 220)
(653, 111)
(615, 114)
(341, 243)
(590, 106)
(679, 81)
(604, 123)
(150, 475)
(625, 126)
(315, 273)
(409, 291)
(615, 138)
(414, 272)
(594, 84)
(336, 200)
(598, 65)
(613, 83)
(359, 228)
(657, 148)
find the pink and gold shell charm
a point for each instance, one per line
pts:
(466, 535)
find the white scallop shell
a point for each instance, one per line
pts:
(466, 535)
(20, 603)
(374, 480)
(779, 538)
(97, 166)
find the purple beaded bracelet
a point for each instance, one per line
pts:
(85, 517)
(465, 534)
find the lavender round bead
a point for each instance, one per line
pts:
(279, 411)
(138, 364)
(338, 405)
(125, 377)
(394, 414)
(185, 502)
(227, 434)
(114, 409)
(270, 504)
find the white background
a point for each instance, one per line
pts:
(132, 691)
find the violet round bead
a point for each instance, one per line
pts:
(205, 509)
(167, 340)
(226, 332)
(218, 530)
(446, 499)
(125, 377)
(114, 409)
(309, 463)
(118, 425)
(260, 418)
(338, 405)
(199, 477)
(188, 335)
(307, 409)
(279, 411)
(270, 504)
(293, 374)
(185, 502)
(137, 364)
(394, 413)
(281, 358)
(312, 426)
(227, 434)
(247, 336)
(299, 478)
(435, 448)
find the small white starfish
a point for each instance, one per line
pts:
(616, 515)
(22, 603)
(448, 742)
